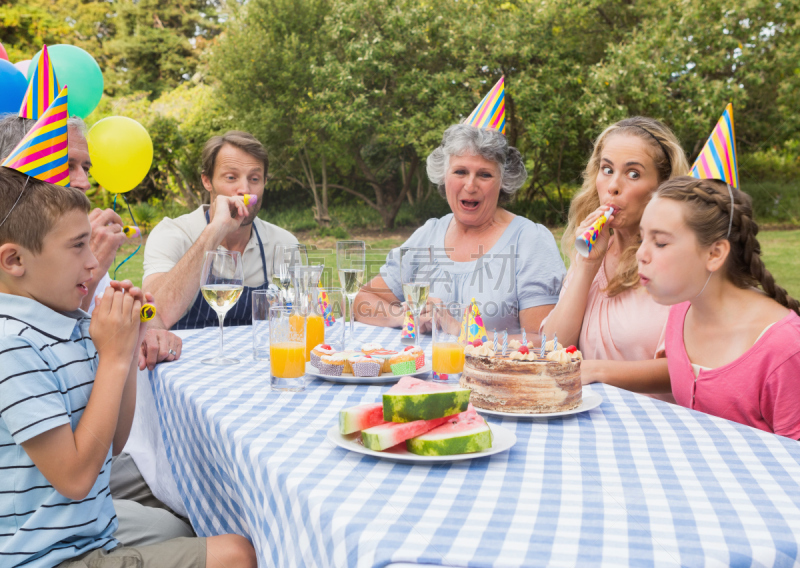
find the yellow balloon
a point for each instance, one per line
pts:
(121, 151)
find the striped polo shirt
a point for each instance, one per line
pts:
(47, 368)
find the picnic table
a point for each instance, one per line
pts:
(635, 481)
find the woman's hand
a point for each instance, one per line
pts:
(600, 247)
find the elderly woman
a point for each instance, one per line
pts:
(603, 309)
(509, 264)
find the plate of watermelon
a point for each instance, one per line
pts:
(350, 379)
(418, 421)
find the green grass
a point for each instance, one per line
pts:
(779, 249)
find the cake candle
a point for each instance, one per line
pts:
(555, 342)
(505, 342)
(544, 345)
(495, 342)
(524, 338)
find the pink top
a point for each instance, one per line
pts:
(627, 327)
(760, 389)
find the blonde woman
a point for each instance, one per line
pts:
(602, 308)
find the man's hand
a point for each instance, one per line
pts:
(229, 212)
(159, 345)
(107, 237)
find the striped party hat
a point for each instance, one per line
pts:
(491, 113)
(718, 157)
(42, 89)
(42, 153)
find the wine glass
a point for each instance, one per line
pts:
(284, 259)
(351, 258)
(221, 283)
(415, 274)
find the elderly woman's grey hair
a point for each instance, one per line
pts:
(466, 140)
(13, 129)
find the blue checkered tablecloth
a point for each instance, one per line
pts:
(633, 482)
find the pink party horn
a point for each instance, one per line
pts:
(250, 199)
(586, 241)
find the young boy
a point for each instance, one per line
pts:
(67, 394)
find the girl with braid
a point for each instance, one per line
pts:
(733, 334)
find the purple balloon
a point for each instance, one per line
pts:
(13, 85)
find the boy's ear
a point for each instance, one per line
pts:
(11, 260)
(717, 254)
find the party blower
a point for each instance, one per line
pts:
(587, 240)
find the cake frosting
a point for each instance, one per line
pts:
(523, 382)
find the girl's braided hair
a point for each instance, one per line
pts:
(708, 215)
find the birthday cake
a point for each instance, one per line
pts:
(523, 382)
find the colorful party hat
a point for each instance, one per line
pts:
(409, 329)
(491, 113)
(718, 158)
(474, 329)
(43, 89)
(42, 153)
(326, 308)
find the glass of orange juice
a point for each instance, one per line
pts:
(326, 319)
(449, 340)
(287, 350)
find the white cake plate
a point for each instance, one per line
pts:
(590, 400)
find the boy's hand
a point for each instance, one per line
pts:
(116, 329)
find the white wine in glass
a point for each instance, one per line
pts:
(221, 283)
(416, 265)
(351, 259)
(351, 280)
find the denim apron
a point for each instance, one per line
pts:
(201, 314)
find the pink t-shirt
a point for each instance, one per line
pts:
(760, 389)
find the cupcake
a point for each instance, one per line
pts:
(419, 354)
(384, 355)
(331, 364)
(347, 355)
(403, 363)
(319, 351)
(368, 348)
(365, 366)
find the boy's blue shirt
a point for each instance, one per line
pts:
(47, 368)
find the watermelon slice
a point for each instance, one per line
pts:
(360, 417)
(413, 399)
(465, 433)
(390, 434)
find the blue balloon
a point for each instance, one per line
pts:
(13, 85)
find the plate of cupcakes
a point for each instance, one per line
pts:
(372, 364)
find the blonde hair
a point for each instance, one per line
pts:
(707, 211)
(670, 162)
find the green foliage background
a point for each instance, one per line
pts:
(351, 95)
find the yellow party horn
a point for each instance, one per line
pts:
(131, 232)
(250, 199)
(147, 312)
(587, 240)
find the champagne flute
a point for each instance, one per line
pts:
(221, 283)
(351, 260)
(284, 259)
(416, 265)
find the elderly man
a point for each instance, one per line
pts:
(234, 165)
(107, 235)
